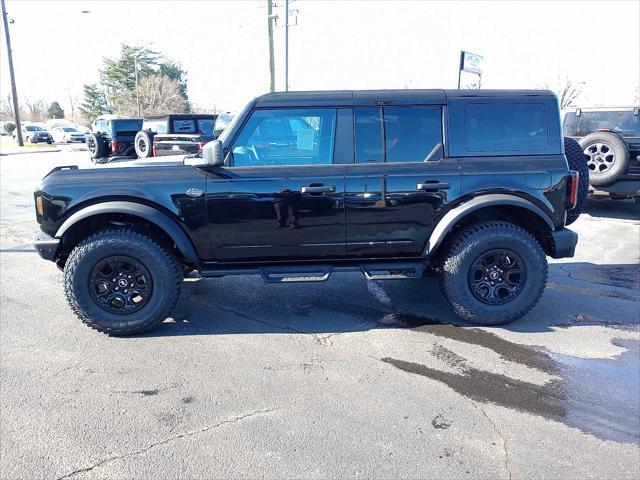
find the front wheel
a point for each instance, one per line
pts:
(493, 273)
(121, 282)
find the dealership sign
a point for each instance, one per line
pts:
(470, 62)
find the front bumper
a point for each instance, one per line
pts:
(46, 246)
(564, 243)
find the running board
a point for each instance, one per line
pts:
(321, 273)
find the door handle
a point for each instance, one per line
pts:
(318, 189)
(432, 186)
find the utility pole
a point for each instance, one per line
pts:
(16, 107)
(135, 67)
(272, 69)
(286, 45)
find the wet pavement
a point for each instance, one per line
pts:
(345, 378)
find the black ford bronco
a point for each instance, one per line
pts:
(473, 186)
(111, 138)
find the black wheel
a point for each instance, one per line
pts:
(49, 142)
(121, 282)
(96, 146)
(144, 144)
(608, 157)
(577, 161)
(493, 273)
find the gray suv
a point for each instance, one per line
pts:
(610, 137)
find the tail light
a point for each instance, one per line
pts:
(114, 146)
(154, 152)
(201, 145)
(572, 189)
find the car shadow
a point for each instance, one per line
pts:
(616, 209)
(578, 294)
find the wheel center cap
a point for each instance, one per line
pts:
(493, 275)
(122, 283)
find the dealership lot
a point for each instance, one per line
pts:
(336, 379)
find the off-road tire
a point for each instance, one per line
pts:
(163, 267)
(577, 161)
(144, 144)
(470, 244)
(621, 153)
(100, 150)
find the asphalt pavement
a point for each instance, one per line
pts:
(342, 379)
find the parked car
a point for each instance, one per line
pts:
(112, 138)
(174, 134)
(68, 135)
(610, 137)
(34, 134)
(473, 186)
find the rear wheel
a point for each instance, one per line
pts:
(121, 282)
(493, 273)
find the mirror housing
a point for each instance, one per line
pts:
(211, 156)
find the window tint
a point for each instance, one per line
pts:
(397, 134)
(184, 126)
(624, 123)
(570, 124)
(157, 126)
(205, 126)
(506, 127)
(286, 137)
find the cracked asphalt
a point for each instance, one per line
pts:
(342, 379)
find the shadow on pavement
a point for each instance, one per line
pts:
(617, 209)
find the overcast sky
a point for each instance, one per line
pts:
(336, 45)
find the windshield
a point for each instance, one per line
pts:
(69, 129)
(33, 128)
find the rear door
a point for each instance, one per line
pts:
(282, 195)
(400, 180)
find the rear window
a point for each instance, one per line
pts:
(507, 127)
(126, 125)
(184, 126)
(621, 122)
(205, 126)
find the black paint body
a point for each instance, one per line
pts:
(259, 214)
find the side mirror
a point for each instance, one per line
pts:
(211, 156)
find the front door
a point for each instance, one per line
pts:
(400, 182)
(282, 195)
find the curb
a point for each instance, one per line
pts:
(22, 152)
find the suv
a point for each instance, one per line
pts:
(34, 134)
(610, 137)
(471, 185)
(174, 134)
(112, 138)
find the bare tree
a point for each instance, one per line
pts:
(567, 91)
(37, 110)
(158, 94)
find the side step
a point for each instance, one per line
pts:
(321, 273)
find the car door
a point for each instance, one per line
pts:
(400, 181)
(281, 196)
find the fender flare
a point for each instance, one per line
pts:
(153, 215)
(447, 222)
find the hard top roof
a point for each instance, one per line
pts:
(180, 115)
(377, 97)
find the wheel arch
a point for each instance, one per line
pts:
(88, 219)
(512, 208)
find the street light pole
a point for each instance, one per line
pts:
(272, 70)
(286, 45)
(16, 107)
(135, 67)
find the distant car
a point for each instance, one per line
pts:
(34, 134)
(112, 137)
(174, 134)
(610, 138)
(68, 135)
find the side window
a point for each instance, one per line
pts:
(396, 134)
(506, 127)
(296, 136)
(157, 126)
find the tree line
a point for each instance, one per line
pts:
(161, 86)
